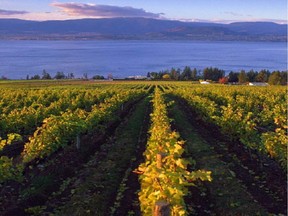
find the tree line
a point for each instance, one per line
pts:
(47, 76)
(217, 75)
(59, 75)
(210, 74)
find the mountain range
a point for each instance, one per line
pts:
(140, 28)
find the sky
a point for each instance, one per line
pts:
(220, 11)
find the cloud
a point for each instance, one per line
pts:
(228, 21)
(12, 12)
(233, 13)
(237, 14)
(104, 11)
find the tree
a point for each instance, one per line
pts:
(98, 77)
(262, 76)
(60, 75)
(70, 76)
(284, 77)
(194, 74)
(162, 73)
(213, 74)
(223, 80)
(277, 78)
(166, 76)
(186, 74)
(85, 76)
(35, 77)
(233, 77)
(242, 77)
(252, 75)
(175, 74)
(154, 75)
(45, 75)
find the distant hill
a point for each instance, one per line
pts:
(140, 28)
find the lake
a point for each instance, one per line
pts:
(129, 58)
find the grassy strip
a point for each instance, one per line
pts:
(228, 194)
(127, 202)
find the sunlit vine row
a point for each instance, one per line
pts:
(25, 120)
(169, 181)
(254, 115)
(58, 131)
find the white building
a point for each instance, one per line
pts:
(204, 82)
(258, 84)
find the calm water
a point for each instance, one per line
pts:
(126, 58)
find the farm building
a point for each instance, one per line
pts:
(258, 84)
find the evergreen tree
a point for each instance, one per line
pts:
(233, 77)
(242, 77)
(186, 74)
(194, 74)
(213, 74)
(252, 75)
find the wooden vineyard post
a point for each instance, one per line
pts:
(162, 208)
(78, 141)
(159, 158)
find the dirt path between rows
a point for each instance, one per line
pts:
(227, 194)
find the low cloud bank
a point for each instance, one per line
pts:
(103, 11)
(12, 12)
